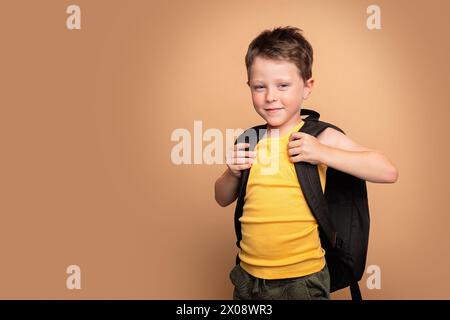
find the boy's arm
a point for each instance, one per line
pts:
(343, 154)
(226, 188)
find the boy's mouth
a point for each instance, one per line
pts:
(273, 110)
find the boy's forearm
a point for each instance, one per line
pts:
(226, 188)
(367, 165)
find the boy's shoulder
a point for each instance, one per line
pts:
(336, 139)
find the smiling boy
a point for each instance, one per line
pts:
(280, 245)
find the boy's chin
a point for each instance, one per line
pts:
(275, 122)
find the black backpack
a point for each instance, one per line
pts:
(341, 211)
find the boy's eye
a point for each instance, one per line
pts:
(283, 85)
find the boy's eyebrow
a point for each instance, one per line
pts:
(277, 79)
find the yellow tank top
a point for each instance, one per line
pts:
(280, 237)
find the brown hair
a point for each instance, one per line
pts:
(282, 43)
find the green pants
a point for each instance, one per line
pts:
(315, 286)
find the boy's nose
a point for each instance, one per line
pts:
(271, 97)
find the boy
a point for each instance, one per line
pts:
(281, 255)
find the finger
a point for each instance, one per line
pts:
(242, 154)
(244, 160)
(243, 166)
(296, 158)
(234, 161)
(294, 151)
(241, 146)
(241, 160)
(295, 143)
(296, 135)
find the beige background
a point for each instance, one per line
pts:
(86, 118)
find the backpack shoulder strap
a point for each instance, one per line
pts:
(312, 189)
(318, 126)
(251, 136)
(310, 113)
(309, 179)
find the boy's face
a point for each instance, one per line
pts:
(278, 91)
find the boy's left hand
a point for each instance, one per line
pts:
(305, 147)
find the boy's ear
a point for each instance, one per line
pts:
(307, 88)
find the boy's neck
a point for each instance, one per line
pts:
(283, 128)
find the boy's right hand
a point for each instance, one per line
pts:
(237, 159)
